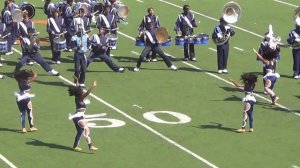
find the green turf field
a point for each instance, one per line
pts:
(196, 91)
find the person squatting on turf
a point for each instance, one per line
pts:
(100, 44)
(151, 44)
(270, 77)
(24, 79)
(248, 85)
(78, 117)
(185, 23)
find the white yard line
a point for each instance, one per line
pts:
(135, 53)
(238, 48)
(140, 1)
(212, 49)
(286, 3)
(10, 164)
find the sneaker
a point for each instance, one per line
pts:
(113, 47)
(93, 148)
(173, 68)
(251, 130)
(185, 59)
(54, 73)
(242, 130)
(275, 100)
(1, 65)
(121, 70)
(32, 129)
(154, 60)
(77, 149)
(1, 76)
(136, 69)
(220, 71)
(30, 63)
(24, 130)
(70, 50)
(148, 60)
(296, 76)
(82, 85)
(58, 62)
(224, 71)
(194, 59)
(9, 53)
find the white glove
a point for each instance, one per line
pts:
(73, 38)
(219, 35)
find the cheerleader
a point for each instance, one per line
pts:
(248, 85)
(24, 79)
(78, 117)
(270, 77)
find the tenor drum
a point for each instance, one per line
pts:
(139, 42)
(97, 8)
(29, 8)
(179, 41)
(204, 38)
(189, 40)
(112, 38)
(59, 43)
(197, 40)
(3, 46)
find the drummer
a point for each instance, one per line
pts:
(55, 29)
(7, 20)
(2, 33)
(67, 14)
(150, 18)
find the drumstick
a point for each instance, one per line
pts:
(6, 35)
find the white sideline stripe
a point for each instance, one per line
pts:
(286, 3)
(295, 166)
(11, 165)
(212, 49)
(135, 53)
(216, 76)
(255, 34)
(140, 123)
(237, 48)
(140, 1)
(147, 127)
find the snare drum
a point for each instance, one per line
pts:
(112, 39)
(3, 46)
(179, 41)
(204, 38)
(197, 40)
(189, 40)
(139, 42)
(59, 43)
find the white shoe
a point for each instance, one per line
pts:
(55, 73)
(1, 65)
(220, 71)
(1, 76)
(121, 70)
(2, 59)
(30, 63)
(224, 71)
(194, 59)
(9, 53)
(148, 60)
(296, 77)
(154, 60)
(82, 85)
(135, 69)
(58, 62)
(70, 50)
(173, 68)
(113, 47)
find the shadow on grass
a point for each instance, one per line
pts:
(62, 84)
(11, 130)
(36, 142)
(215, 125)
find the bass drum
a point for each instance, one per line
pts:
(29, 8)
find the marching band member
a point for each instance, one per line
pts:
(30, 50)
(99, 46)
(14, 32)
(150, 45)
(248, 85)
(221, 31)
(150, 18)
(185, 23)
(78, 117)
(3, 31)
(108, 21)
(270, 77)
(7, 20)
(82, 43)
(294, 40)
(67, 14)
(49, 7)
(24, 79)
(55, 28)
(80, 23)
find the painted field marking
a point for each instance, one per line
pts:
(286, 3)
(10, 164)
(140, 1)
(135, 53)
(238, 48)
(142, 124)
(212, 49)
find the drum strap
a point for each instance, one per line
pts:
(54, 25)
(187, 21)
(24, 27)
(26, 41)
(295, 34)
(150, 37)
(96, 37)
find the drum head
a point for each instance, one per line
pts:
(59, 40)
(122, 11)
(17, 15)
(111, 36)
(98, 8)
(162, 35)
(29, 8)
